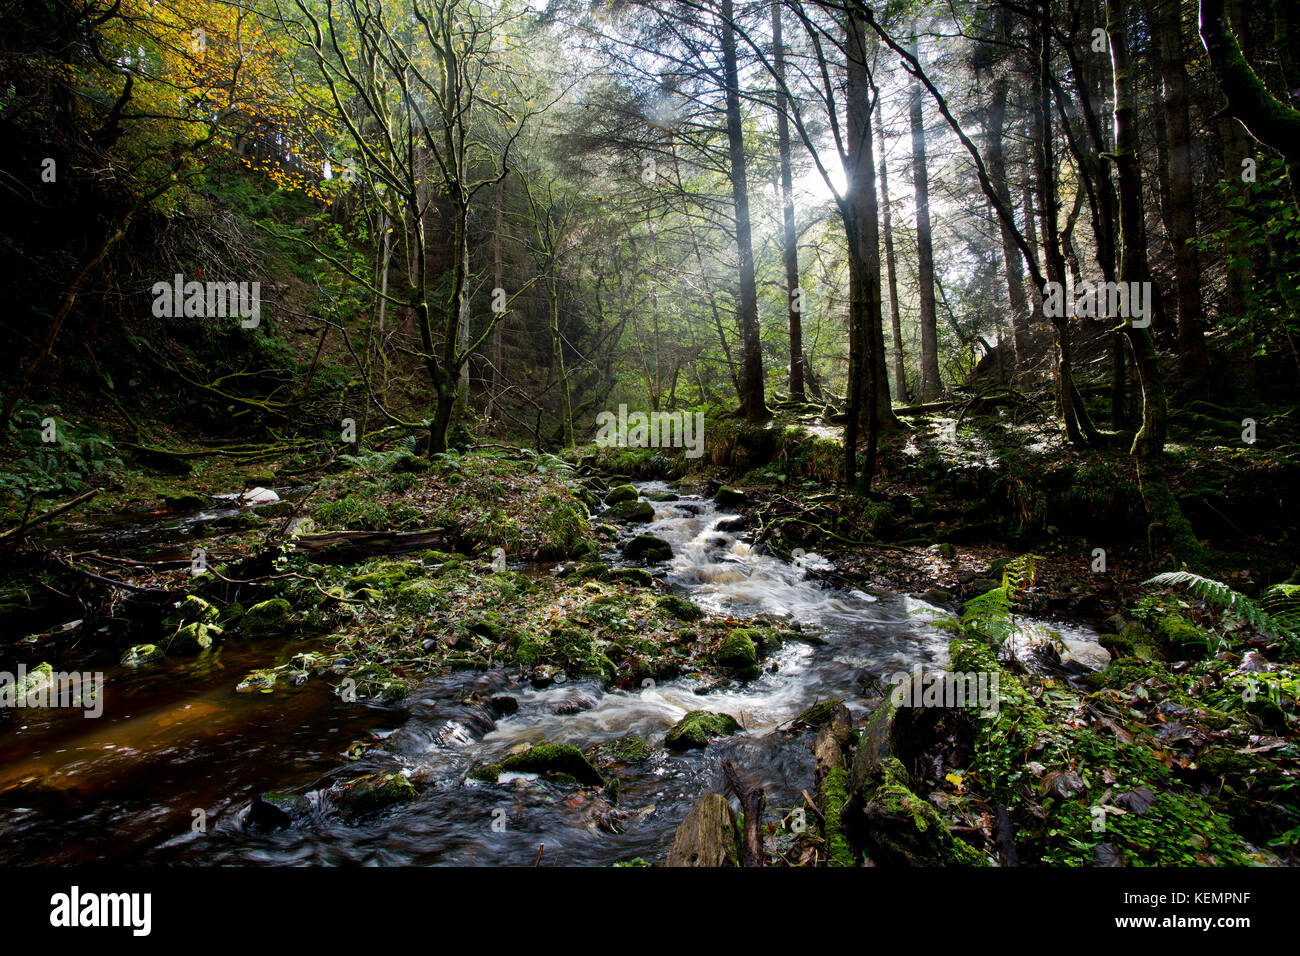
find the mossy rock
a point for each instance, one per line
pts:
(906, 829)
(739, 649)
(632, 512)
(648, 548)
(35, 679)
(637, 577)
(552, 760)
(626, 750)
(1132, 641)
(195, 610)
(680, 608)
(621, 494)
(369, 794)
(261, 681)
(697, 728)
(385, 575)
(268, 617)
(660, 496)
(589, 571)
(141, 654)
(1181, 638)
(193, 639)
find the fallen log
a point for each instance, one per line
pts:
(344, 546)
(833, 785)
(52, 513)
(707, 837)
(752, 801)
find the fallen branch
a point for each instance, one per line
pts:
(19, 529)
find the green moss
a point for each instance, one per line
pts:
(141, 654)
(680, 608)
(697, 728)
(835, 794)
(637, 577)
(386, 575)
(819, 714)
(268, 617)
(915, 829)
(1183, 638)
(739, 649)
(192, 638)
(621, 494)
(634, 512)
(648, 548)
(626, 750)
(365, 795)
(554, 759)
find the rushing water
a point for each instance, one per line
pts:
(179, 740)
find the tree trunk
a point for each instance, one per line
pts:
(930, 383)
(995, 159)
(864, 260)
(1182, 212)
(753, 404)
(900, 372)
(1169, 530)
(789, 250)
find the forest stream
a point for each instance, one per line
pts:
(177, 738)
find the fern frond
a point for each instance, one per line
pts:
(1225, 598)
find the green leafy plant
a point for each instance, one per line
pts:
(1276, 614)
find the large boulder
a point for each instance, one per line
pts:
(633, 512)
(621, 494)
(269, 617)
(648, 548)
(739, 649)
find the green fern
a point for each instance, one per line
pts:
(991, 614)
(1276, 615)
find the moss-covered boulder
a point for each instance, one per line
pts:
(648, 548)
(363, 796)
(195, 610)
(697, 728)
(141, 654)
(1182, 640)
(554, 760)
(637, 577)
(620, 494)
(631, 512)
(739, 649)
(268, 617)
(192, 638)
(680, 608)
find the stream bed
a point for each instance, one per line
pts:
(177, 745)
